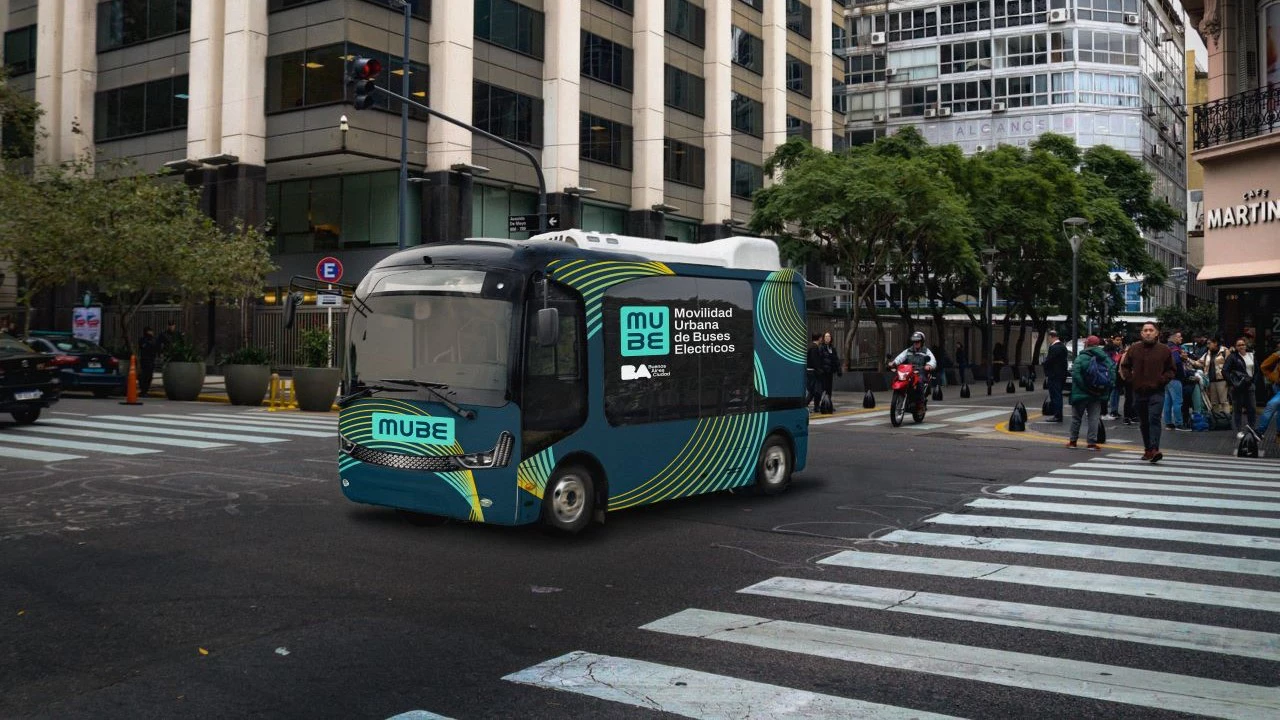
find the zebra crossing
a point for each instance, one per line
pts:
(1169, 580)
(61, 437)
(956, 417)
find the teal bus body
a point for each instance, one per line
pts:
(658, 393)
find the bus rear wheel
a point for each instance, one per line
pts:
(569, 500)
(773, 471)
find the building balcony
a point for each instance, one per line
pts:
(1249, 114)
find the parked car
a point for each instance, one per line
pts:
(28, 383)
(81, 365)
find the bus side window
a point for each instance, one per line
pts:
(554, 390)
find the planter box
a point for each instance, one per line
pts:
(316, 388)
(183, 380)
(247, 384)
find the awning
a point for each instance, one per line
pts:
(813, 291)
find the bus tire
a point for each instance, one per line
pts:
(568, 503)
(773, 469)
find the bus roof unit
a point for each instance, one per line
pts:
(742, 253)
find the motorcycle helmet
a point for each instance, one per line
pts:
(917, 337)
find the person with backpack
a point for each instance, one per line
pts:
(1173, 391)
(1093, 375)
(1239, 370)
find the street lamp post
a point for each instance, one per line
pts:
(1179, 277)
(1076, 240)
(404, 131)
(988, 264)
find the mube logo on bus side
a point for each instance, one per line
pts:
(422, 429)
(646, 330)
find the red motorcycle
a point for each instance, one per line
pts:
(909, 392)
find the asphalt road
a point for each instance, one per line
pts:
(236, 581)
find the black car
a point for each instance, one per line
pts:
(82, 365)
(28, 383)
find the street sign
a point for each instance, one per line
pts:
(329, 269)
(529, 223)
(329, 298)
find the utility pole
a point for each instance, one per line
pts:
(404, 131)
(1076, 241)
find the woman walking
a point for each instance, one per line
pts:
(1239, 370)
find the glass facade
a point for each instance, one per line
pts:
(318, 76)
(491, 205)
(339, 212)
(511, 25)
(20, 50)
(140, 109)
(603, 218)
(126, 22)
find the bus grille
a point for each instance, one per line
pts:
(427, 463)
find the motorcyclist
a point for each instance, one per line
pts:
(917, 354)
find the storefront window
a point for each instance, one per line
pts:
(603, 218)
(491, 206)
(339, 212)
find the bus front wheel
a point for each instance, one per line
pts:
(569, 500)
(773, 472)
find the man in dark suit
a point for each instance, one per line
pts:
(1055, 375)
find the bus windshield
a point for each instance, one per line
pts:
(441, 325)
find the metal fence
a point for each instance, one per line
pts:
(283, 345)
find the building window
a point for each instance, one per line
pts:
(1269, 51)
(839, 38)
(798, 127)
(746, 179)
(1026, 91)
(511, 25)
(966, 56)
(626, 6)
(1022, 50)
(685, 91)
(969, 96)
(506, 113)
(757, 4)
(799, 18)
(683, 163)
(917, 64)
(799, 76)
(839, 97)
(318, 76)
(911, 102)
(964, 17)
(1061, 47)
(332, 213)
(20, 50)
(748, 51)
(1112, 48)
(1105, 10)
(748, 115)
(913, 25)
(1108, 89)
(139, 109)
(1013, 13)
(419, 8)
(125, 22)
(687, 21)
(607, 142)
(859, 69)
(606, 61)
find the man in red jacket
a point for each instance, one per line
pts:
(1148, 368)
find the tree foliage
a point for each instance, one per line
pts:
(1194, 321)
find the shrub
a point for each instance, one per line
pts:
(314, 348)
(182, 350)
(248, 355)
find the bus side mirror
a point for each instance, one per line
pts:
(548, 327)
(291, 302)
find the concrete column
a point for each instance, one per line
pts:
(648, 107)
(562, 95)
(204, 87)
(825, 123)
(451, 57)
(244, 120)
(66, 78)
(717, 139)
(773, 26)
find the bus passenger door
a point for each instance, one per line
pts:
(553, 398)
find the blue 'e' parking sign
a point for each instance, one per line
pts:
(329, 269)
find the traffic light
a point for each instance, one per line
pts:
(364, 73)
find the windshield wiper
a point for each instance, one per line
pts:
(364, 392)
(434, 388)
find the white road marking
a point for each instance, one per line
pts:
(1169, 475)
(923, 426)
(1087, 623)
(829, 420)
(1112, 683)
(200, 424)
(1108, 530)
(870, 423)
(695, 694)
(1218, 503)
(1127, 513)
(100, 435)
(63, 412)
(1154, 486)
(165, 431)
(1214, 563)
(283, 418)
(1179, 465)
(1216, 461)
(974, 417)
(37, 455)
(418, 715)
(58, 443)
(1148, 588)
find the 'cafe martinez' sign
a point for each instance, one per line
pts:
(1250, 213)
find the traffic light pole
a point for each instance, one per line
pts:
(404, 133)
(533, 160)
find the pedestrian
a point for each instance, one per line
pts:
(828, 365)
(1214, 358)
(1270, 369)
(168, 339)
(1148, 368)
(1092, 379)
(9, 327)
(813, 360)
(962, 360)
(148, 349)
(1239, 370)
(1055, 375)
(1174, 391)
(1115, 351)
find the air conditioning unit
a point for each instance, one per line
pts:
(877, 38)
(1131, 19)
(877, 118)
(944, 112)
(998, 107)
(890, 72)
(930, 113)
(1059, 15)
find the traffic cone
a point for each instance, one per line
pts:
(131, 385)
(868, 400)
(964, 391)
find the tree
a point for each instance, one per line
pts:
(1197, 320)
(18, 121)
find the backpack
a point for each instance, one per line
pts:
(1097, 376)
